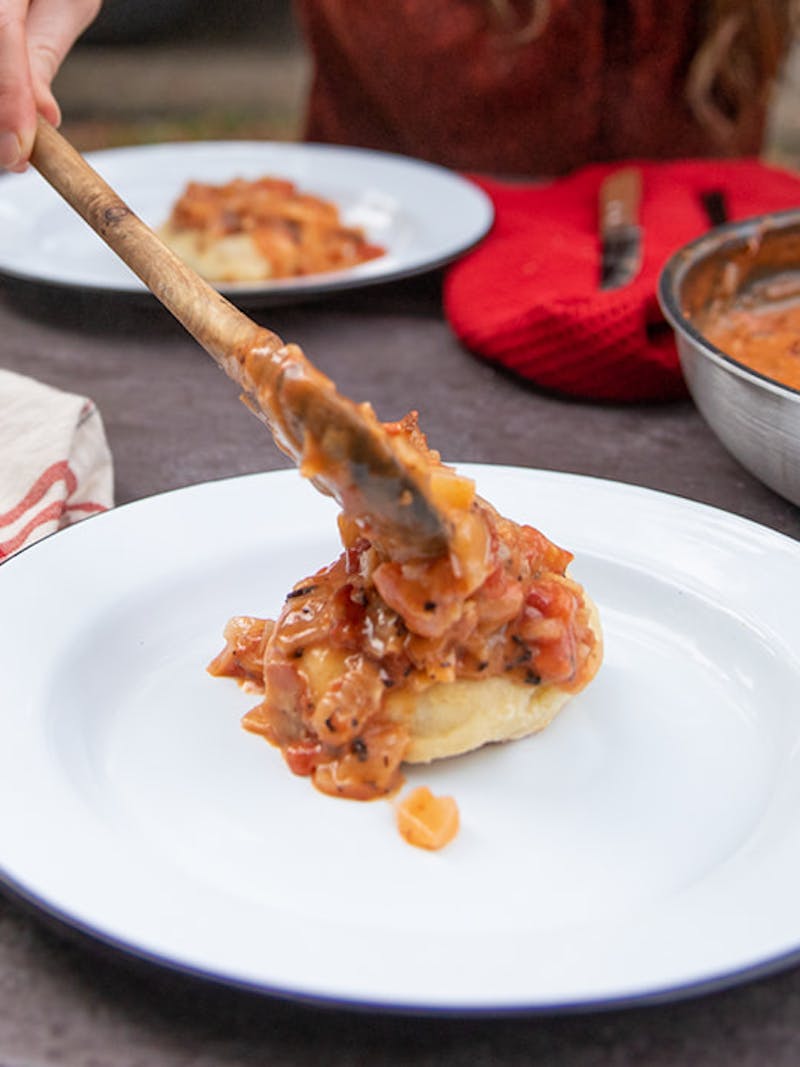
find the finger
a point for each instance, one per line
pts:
(46, 103)
(17, 105)
(53, 28)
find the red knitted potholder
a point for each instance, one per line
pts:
(528, 296)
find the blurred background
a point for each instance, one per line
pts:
(164, 70)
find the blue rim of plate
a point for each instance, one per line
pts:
(95, 939)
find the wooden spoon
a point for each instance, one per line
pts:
(341, 446)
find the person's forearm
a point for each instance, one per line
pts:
(35, 35)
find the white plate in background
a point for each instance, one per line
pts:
(423, 215)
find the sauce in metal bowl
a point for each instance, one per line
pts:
(762, 335)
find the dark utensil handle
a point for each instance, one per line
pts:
(620, 194)
(715, 206)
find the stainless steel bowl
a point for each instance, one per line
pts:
(755, 417)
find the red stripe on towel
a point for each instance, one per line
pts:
(89, 507)
(60, 471)
(51, 512)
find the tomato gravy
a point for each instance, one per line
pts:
(762, 336)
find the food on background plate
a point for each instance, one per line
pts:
(378, 659)
(253, 231)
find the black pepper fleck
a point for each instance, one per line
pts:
(304, 590)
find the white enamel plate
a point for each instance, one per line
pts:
(423, 215)
(646, 845)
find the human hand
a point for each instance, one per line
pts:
(35, 35)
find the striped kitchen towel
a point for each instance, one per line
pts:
(55, 464)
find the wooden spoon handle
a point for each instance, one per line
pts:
(222, 329)
(340, 445)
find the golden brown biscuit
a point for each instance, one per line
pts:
(452, 718)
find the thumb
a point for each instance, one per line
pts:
(53, 28)
(46, 103)
(17, 106)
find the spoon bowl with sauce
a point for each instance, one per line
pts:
(733, 300)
